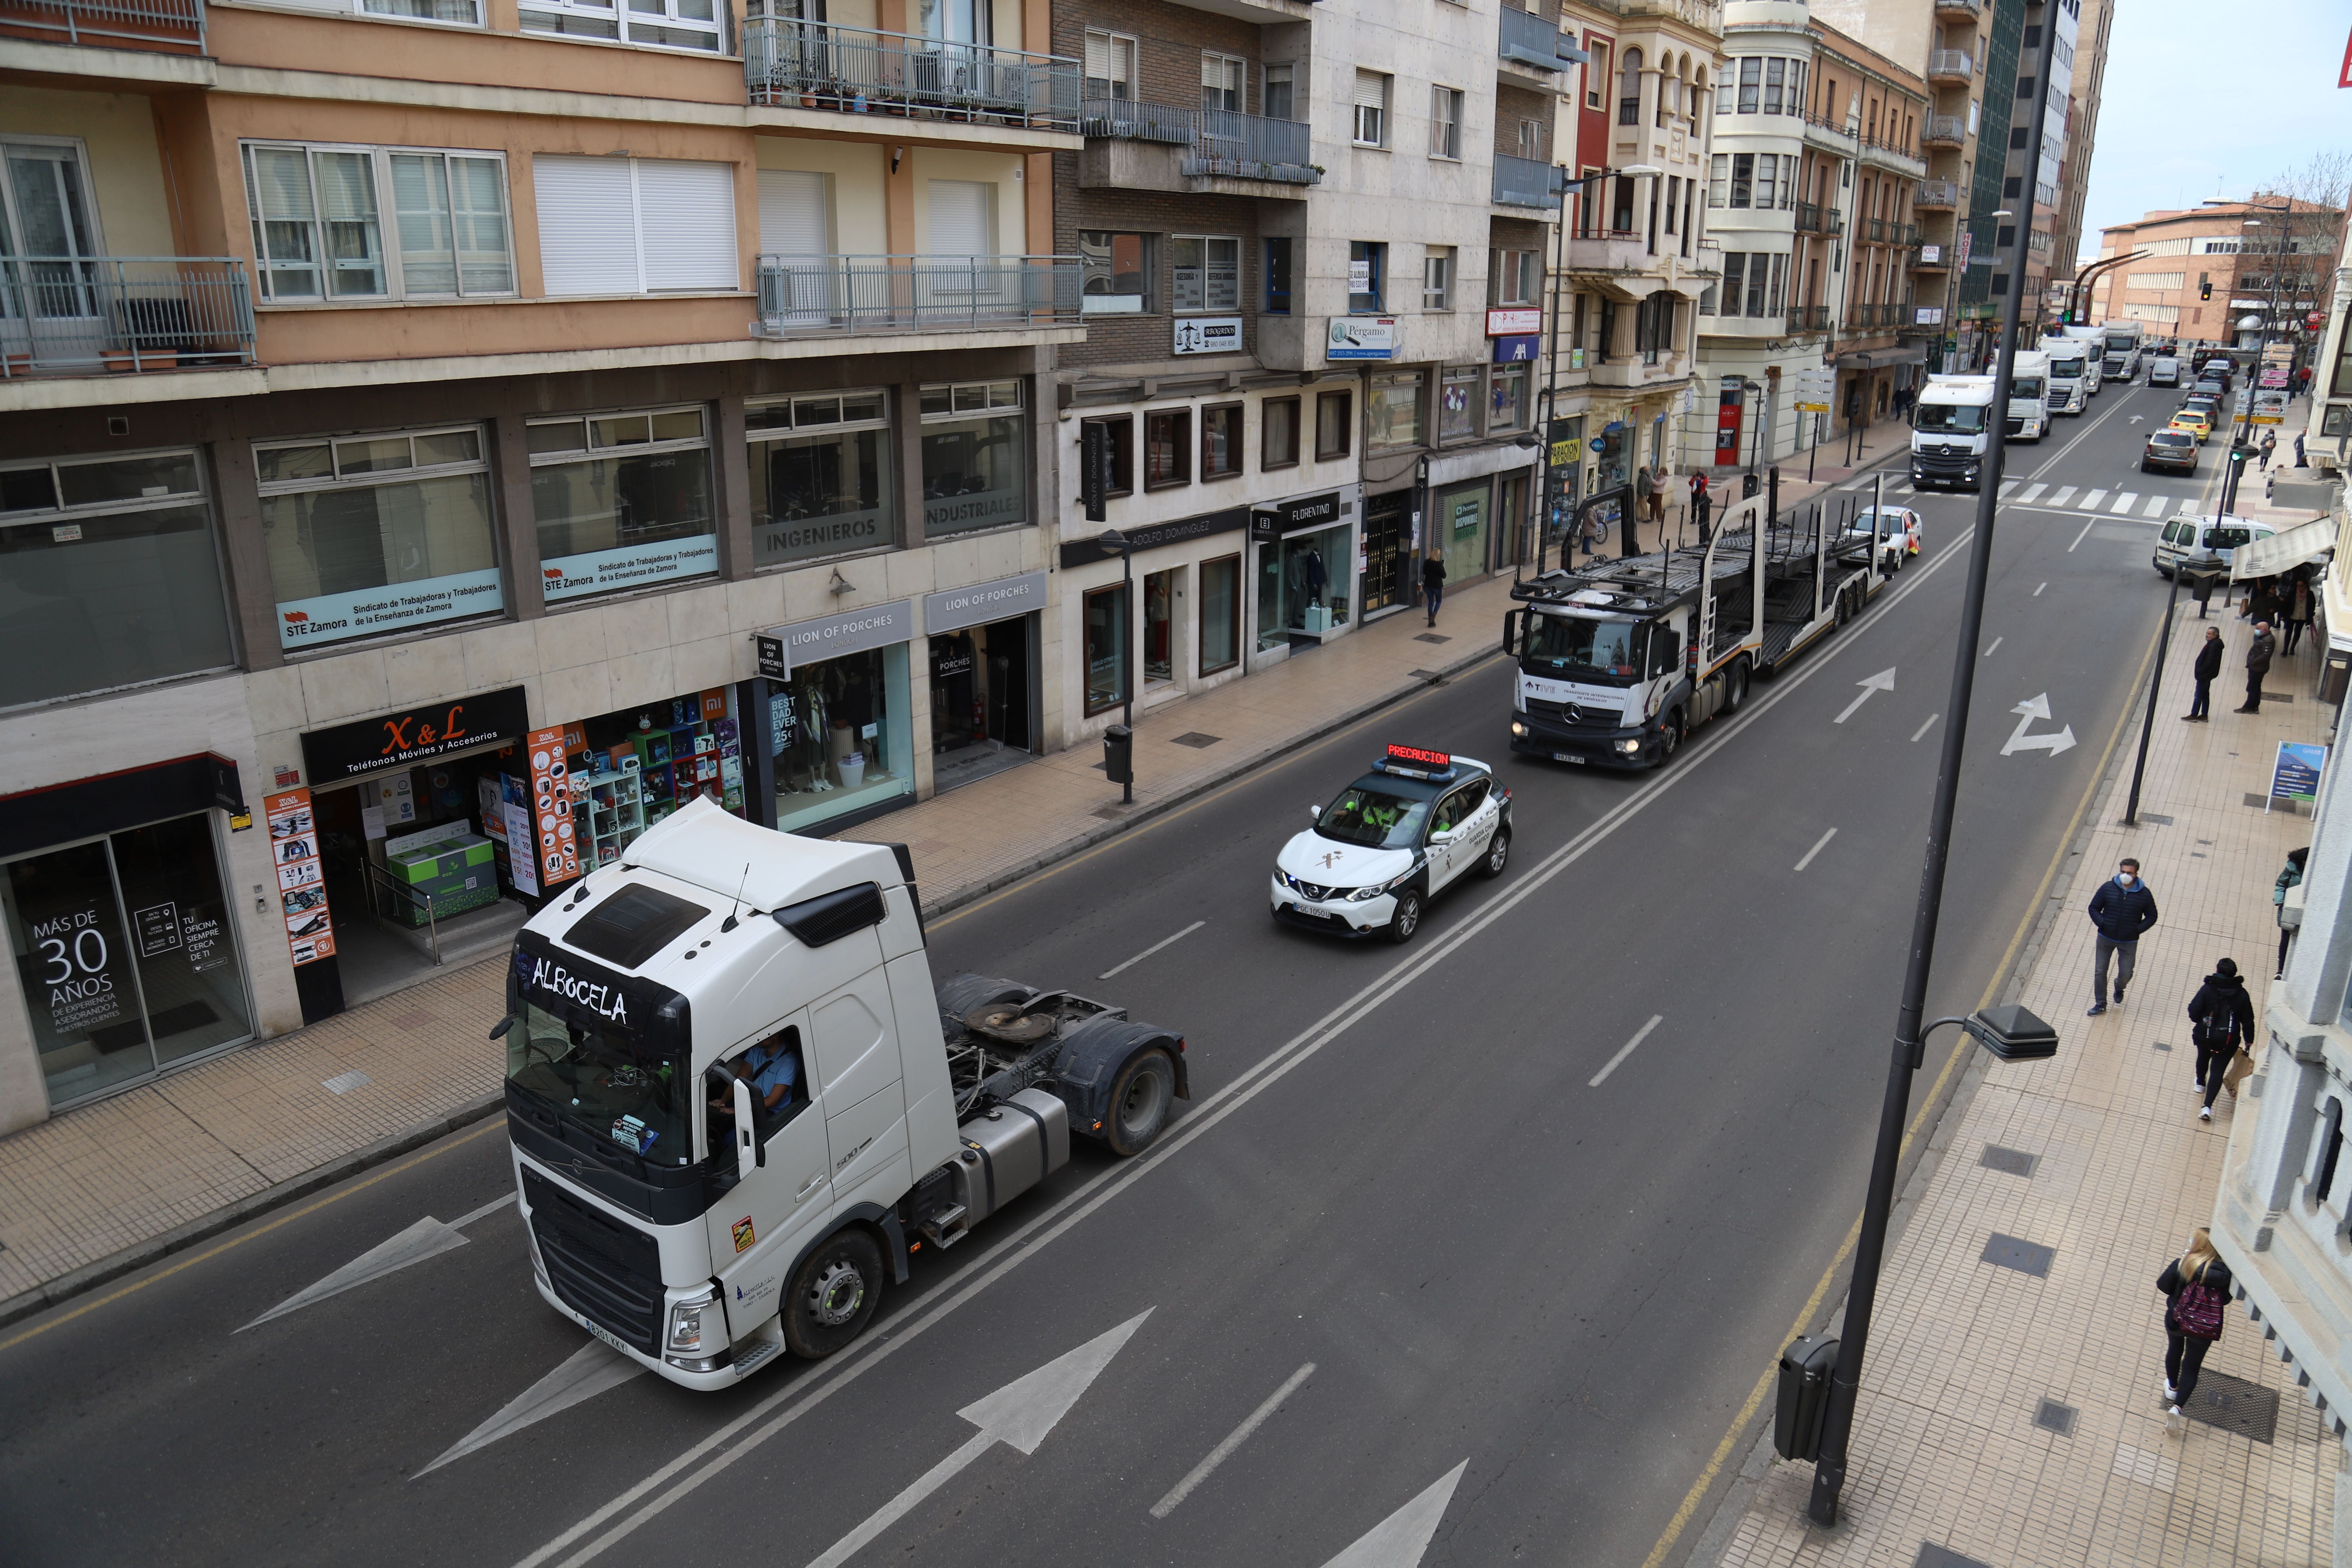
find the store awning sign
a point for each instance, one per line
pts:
(1514, 323)
(1361, 337)
(1207, 335)
(1516, 351)
(1083, 552)
(413, 735)
(956, 608)
(785, 648)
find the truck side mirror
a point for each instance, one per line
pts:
(748, 1156)
(499, 1031)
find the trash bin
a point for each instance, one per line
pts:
(1805, 1368)
(1119, 754)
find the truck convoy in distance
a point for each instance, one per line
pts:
(2028, 387)
(736, 1105)
(1950, 425)
(2071, 380)
(2122, 341)
(1619, 660)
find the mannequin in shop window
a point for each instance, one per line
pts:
(1316, 578)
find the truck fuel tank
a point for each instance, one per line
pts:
(1008, 1149)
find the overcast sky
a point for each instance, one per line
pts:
(2202, 100)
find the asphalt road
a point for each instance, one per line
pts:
(1396, 1167)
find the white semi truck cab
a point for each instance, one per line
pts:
(1950, 425)
(2029, 389)
(2121, 341)
(737, 1106)
(2093, 342)
(2069, 375)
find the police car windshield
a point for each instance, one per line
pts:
(1573, 646)
(1378, 810)
(627, 1105)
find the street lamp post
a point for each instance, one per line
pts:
(1910, 1042)
(1113, 540)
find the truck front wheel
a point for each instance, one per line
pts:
(1141, 1098)
(834, 1295)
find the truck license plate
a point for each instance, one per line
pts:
(1566, 757)
(601, 1334)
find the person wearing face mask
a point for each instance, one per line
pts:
(2122, 909)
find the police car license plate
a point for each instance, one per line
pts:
(1566, 757)
(601, 1334)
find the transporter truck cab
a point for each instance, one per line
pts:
(1949, 424)
(737, 1106)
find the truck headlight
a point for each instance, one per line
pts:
(1629, 747)
(686, 1318)
(1519, 729)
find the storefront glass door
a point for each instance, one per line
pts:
(1388, 530)
(1461, 523)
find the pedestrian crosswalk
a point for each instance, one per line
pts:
(2117, 503)
(2091, 502)
(2063, 494)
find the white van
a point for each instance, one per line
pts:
(2219, 533)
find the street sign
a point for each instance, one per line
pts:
(2269, 418)
(1812, 408)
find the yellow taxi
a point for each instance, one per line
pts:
(2196, 421)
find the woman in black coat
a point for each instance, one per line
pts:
(2221, 1023)
(2186, 1321)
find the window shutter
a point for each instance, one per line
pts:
(688, 214)
(587, 232)
(1371, 89)
(961, 211)
(794, 220)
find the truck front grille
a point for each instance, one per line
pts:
(606, 1271)
(1576, 716)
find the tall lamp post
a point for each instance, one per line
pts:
(1910, 1043)
(1113, 540)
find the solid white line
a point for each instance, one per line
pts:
(1924, 728)
(2030, 493)
(1627, 1048)
(2037, 592)
(898, 1506)
(2082, 536)
(2091, 502)
(1233, 1439)
(1996, 643)
(1155, 947)
(2125, 502)
(1819, 845)
(611, 1521)
(488, 1209)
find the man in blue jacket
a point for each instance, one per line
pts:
(2122, 909)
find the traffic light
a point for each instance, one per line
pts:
(2205, 290)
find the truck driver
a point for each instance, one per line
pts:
(773, 1069)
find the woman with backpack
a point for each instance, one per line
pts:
(2220, 1023)
(2196, 1287)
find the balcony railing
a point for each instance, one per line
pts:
(1938, 194)
(801, 294)
(1530, 40)
(1813, 217)
(1808, 318)
(855, 71)
(74, 314)
(1950, 64)
(1959, 7)
(1225, 143)
(1524, 183)
(167, 26)
(1944, 130)
(1864, 318)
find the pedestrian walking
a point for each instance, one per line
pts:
(2123, 910)
(1702, 504)
(2291, 877)
(2207, 667)
(2262, 602)
(2196, 1287)
(1646, 492)
(2258, 663)
(2297, 611)
(1432, 585)
(1595, 530)
(2270, 445)
(2220, 1025)
(2300, 460)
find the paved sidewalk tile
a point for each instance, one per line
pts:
(1947, 1451)
(82, 1188)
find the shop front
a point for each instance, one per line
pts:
(127, 952)
(1478, 508)
(839, 720)
(984, 644)
(1183, 621)
(1308, 565)
(628, 769)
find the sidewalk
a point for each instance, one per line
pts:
(2013, 1419)
(111, 1187)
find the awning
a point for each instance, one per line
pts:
(2283, 551)
(1879, 358)
(85, 808)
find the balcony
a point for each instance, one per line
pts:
(72, 315)
(1530, 40)
(1873, 318)
(1944, 130)
(855, 71)
(805, 295)
(1524, 183)
(1936, 262)
(169, 27)
(1936, 196)
(1897, 159)
(1813, 217)
(1808, 318)
(1950, 66)
(1221, 143)
(1830, 135)
(1959, 10)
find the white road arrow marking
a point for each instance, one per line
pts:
(428, 1237)
(1870, 686)
(2034, 707)
(591, 1370)
(1020, 1414)
(1400, 1540)
(2138, 417)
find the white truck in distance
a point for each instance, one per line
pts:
(2122, 341)
(1949, 427)
(735, 1106)
(2028, 387)
(2069, 371)
(2093, 344)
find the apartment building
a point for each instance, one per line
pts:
(1635, 260)
(2084, 84)
(2211, 274)
(442, 436)
(1813, 170)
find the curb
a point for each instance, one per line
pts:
(204, 1227)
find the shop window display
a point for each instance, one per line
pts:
(1106, 655)
(1159, 591)
(1303, 585)
(841, 736)
(633, 768)
(820, 476)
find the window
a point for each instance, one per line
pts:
(634, 226)
(1445, 122)
(1392, 410)
(1110, 65)
(622, 501)
(1775, 78)
(975, 456)
(1119, 430)
(1718, 179)
(1160, 593)
(1596, 73)
(1778, 303)
(1106, 635)
(1757, 275)
(1115, 273)
(1735, 271)
(113, 574)
(1223, 79)
(1629, 89)
(1204, 272)
(1221, 441)
(821, 475)
(1277, 278)
(1457, 403)
(1279, 434)
(1220, 622)
(1723, 93)
(1507, 405)
(1531, 140)
(1743, 178)
(368, 534)
(1515, 277)
(317, 229)
(1367, 269)
(1437, 277)
(1166, 448)
(1765, 165)
(1670, 97)
(1334, 425)
(665, 24)
(1751, 75)
(1277, 94)
(1674, 197)
(1372, 106)
(459, 13)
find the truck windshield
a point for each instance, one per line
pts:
(2026, 387)
(605, 1089)
(1590, 650)
(1961, 418)
(1384, 813)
